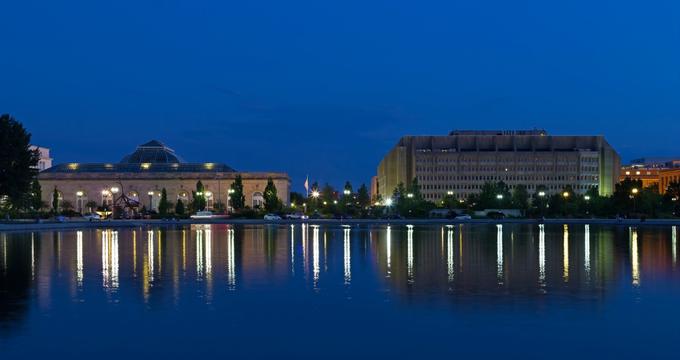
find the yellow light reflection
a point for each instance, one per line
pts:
(347, 250)
(565, 252)
(150, 256)
(499, 253)
(541, 255)
(292, 248)
(208, 252)
(634, 257)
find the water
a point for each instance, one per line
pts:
(341, 292)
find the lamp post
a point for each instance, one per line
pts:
(150, 193)
(79, 201)
(633, 195)
(230, 192)
(541, 196)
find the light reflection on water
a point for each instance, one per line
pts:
(449, 267)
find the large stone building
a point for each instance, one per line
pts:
(143, 174)
(460, 163)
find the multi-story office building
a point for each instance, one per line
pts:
(461, 162)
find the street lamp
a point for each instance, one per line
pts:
(79, 201)
(499, 196)
(388, 202)
(409, 195)
(114, 191)
(586, 198)
(565, 194)
(347, 192)
(541, 193)
(150, 193)
(315, 194)
(634, 191)
(449, 193)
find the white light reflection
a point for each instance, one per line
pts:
(208, 252)
(110, 259)
(150, 255)
(79, 258)
(348, 255)
(674, 245)
(541, 255)
(409, 252)
(305, 234)
(315, 255)
(449, 254)
(199, 253)
(499, 253)
(634, 257)
(565, 260)
(586, 252)
(389, 251)
(231, 263)
(33, 255)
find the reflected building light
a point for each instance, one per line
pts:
(3, 236)
(409, 253)
(199, 253)
(231, 263)
(79, 258)
(389, 251)
(150, 255)
(541, 255)
(184, 251)
(134, 253)
(305, 234)
(347, 250)
(33, 256)
(565, 252)
(208, 252)
(586, 252)
(159, 258)
(315, 256)
(449, 255)
(674, 245)
(110, 259)
(292, 249)
(634, 257)
(499, 253)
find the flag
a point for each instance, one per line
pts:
(307, 185)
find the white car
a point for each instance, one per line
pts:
(463, 217)
(272, 217)
(92, 217)
(203, 215)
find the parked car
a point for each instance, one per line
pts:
(297, 216)
(92, 217)
(208, 215)
(463, 217)
(272, 217)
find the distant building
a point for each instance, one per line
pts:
(45, 161)
(460, 163)
(648, 175)
(668, 176)
(651, 170)
(142, 175)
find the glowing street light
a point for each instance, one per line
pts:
(499, 196)
(587, 197)
(347, 192)
(565, 194)
(449, 193)
(388, 202)
(541, 193)
(315, 194)
(409, 195)
(634, 191)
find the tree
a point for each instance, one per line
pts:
(55, 200)
(236, 198)
(414, 190)
(296, 199)
(66, 206)
(271, 199)
(17, 160)
(199, 203)
(35, 195)
(348, 188)
(520, 198)
(363, 197)
(163, 205)
(179, 207)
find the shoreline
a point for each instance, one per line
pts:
(77, 224)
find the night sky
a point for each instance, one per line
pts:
(328, 87)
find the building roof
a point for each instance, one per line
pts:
(153, 152)
(151, 157)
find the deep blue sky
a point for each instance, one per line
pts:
(327, 87)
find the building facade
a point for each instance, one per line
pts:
(649, 176)
(142, 175)
(668, 176)
(460, 163)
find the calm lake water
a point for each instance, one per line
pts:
(341, 292)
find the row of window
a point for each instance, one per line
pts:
(449, 178)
